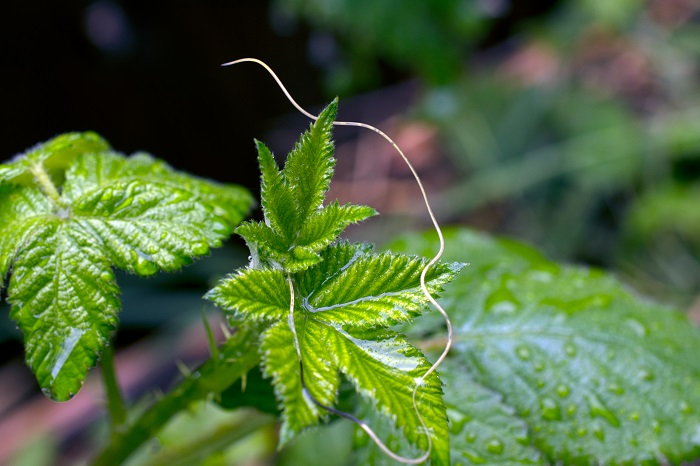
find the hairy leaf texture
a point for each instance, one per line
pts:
(106, 211)
(347, 299)
(297, 226)
(597, 374)
(344, 308)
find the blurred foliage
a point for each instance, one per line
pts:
(429, 37)
(575, 127)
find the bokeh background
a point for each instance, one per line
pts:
(571, 124)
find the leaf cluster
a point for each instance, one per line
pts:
(347, 299)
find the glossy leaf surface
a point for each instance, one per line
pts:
(70, 211)
(597, 373)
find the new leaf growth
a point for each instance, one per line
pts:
(347, 299)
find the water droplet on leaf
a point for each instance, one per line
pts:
(563, 391)
(550, 409)
(523, 353)
(495, 446)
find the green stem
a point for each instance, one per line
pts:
(197, 450)
(43, 179)
(236, 357)
(115, 401)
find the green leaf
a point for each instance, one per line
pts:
(253, 293)
(309, 167)
(346, 298)
(54, 156)
(89, 174)
(360, 290)
(65, 300)
(599, 374)
(60, 243)
(341, 306)
(277, 201)
(483, 430)
(21, 210)
(297, 226)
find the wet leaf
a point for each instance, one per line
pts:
(598, 374)
(346, 299)
(100, 210)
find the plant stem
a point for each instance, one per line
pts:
(115, 401)
(43, 179)
(237, 356)
(195, 451)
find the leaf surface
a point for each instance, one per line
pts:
(482, 429)
(108, 211)
(297, 226)
(346, 298)
(598, 374)
(343, 307)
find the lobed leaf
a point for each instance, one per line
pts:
(309, 167)
(65, 300)
(297, 226)
(108, 211)
(370, 290)
(341, 305)
(253, 293)
(598, 374)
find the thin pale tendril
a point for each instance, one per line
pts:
(450, 333)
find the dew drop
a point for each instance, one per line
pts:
(656, 425)
(495, 446)
(539, 383)
(502, 301)
(634, 416)
(616, 389)
(456, 426)
(145, 267)
(200, 248)
(570, 349)
(539, 366)
(637, 327)
(563, 391)
(685, 407)
(571, 409)
(105, 276)
(646, 375)
(599, 433)
(550, 409)
(470, 437)
(523, 353)
(581, 431)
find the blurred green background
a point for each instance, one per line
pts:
(571, 124)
